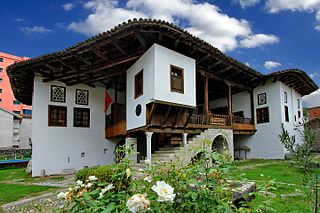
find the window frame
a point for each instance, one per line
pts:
(258, 113)
(65, 93)
(50, 122)
(137, 81)
(16, 102)
(75, 123)
(285, 97)
(299, 103)
(1, 90)
(286, 114)
(171, 79)
(1, 69)
(265, 98)
(1, 59)
(76, 97)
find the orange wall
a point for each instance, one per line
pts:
(7, 94)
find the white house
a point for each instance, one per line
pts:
(158, 87)
(9, 129)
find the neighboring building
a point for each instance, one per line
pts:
(8, 102)
(10, 124)
(314, 112)
(169, 91)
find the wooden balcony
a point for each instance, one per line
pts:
(240, 125)
(116, 130)
(210, 121)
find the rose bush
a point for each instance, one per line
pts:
(165, 187)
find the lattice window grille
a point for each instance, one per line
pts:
(82, 97)
(58, 94)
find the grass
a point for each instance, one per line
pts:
(13, 192)
(16, 184)
(278, 177)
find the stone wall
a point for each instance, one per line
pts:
(15, 153)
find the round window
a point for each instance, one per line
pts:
(138, 110)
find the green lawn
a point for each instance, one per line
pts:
(16, 184)
(278, 177)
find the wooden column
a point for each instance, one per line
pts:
(252, 106)
(206, 95)
(230, 100)
(149, 144)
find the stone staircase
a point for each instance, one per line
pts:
(183, 153)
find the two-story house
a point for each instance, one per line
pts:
(169, 91)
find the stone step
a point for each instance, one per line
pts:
(168, 148)
(166, 151)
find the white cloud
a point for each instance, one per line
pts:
(68, 6)
(269, 65)
(313, 99)
(248, 64)
(313, 6)
(247, 3)
(35, 30)
(204, 20)
(314, 75)
(258, 40)
(18, 19)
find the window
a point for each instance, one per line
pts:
(299, 114)
(1, 80)
(58, 94)
(81, 117)
(138, 84)
(298, 100)
(16, 112)
(1, 59)
(57, 116)
(27, 111)
(1, 69)
(285, 97)
(286, 113)
(262, 98)
(0, 90)
(263, 115)
(82, 97)
(177, 84)
(0, 100)
(15, 102)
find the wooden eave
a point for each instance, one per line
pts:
(109, 54)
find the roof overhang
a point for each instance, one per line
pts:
(297, 79)
(102, 58)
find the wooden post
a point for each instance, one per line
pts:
(230, 100)
(206, 96)
(252, 106)
(230, 103)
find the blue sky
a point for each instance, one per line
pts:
(269, 35)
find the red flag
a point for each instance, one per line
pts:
(107, 101)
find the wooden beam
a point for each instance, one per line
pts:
(215, 64)
(119, 48)
(165, 117)
(229, 99)
(176, 43)
(68, 65)
(203, 58)
(189, 117)
(100, 54)
(160, 37)
(151, 113)
(96, 69)
(213, 76)
(140, 39)
(176, 118)
(224, 70)
(206, 95)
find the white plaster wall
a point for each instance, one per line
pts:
(156, 82)
(25, 133)
(52, 146)
(163, 59)
(6, 130)
(293, 127)
(145, 62)
(265, 142)
(240, 102)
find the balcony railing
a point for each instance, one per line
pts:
(206, 121)
(242, 120)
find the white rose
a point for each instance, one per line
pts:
(62, 195)
(148, 178)
(128, 172)
(79, 182)
(164, 191)
(88, 185)
(138, 203)
(104, 190)
(92, 178)
(147, 162)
